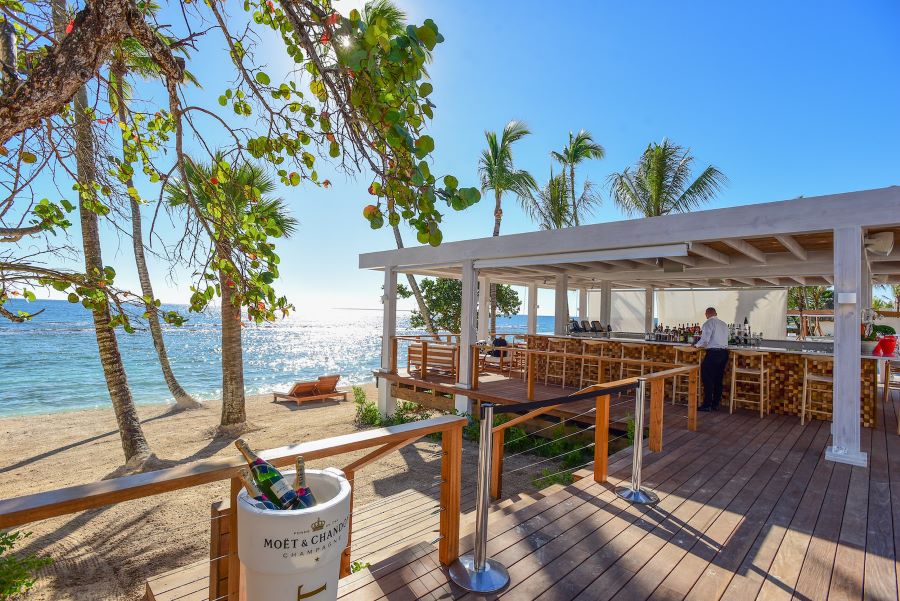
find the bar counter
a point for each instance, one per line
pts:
(785, 365)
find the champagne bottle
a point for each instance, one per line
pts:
(269, 479)
(253, 490)
(304, 492)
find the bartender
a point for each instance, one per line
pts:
(714, 338)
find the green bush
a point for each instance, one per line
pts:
(884, 330)
(367, 413)
(17, 572)
(548, 477)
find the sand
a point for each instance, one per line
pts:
(109, 553)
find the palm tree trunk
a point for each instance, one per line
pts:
(182, 399)
(498, 217)
(233, 401)
(137, 450)
(574, 201)
(417, 292)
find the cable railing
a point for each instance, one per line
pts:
(219, 571)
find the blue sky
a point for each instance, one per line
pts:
(789, 98)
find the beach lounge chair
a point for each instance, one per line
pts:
(318, 390)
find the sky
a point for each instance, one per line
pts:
(787, 99)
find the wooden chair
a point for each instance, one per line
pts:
(440, 357)
(555, 365)
(816, 382)
(749, 368)
(318, 390)
(593, 353)
(634, 351)
(684, 355)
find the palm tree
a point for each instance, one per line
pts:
(395, 20)
(549, 206)
(581, 147)
(226, 221)
(134, 444)
(132, 57)
(498, 173)
(658, 184)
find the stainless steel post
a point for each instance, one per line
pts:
(634, 493)
(475, 571)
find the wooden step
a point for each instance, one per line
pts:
(185, 584)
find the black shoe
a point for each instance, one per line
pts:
(706, 408)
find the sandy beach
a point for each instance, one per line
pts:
(108, 553)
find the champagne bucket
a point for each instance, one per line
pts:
(296, 554)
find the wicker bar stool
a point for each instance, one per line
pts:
(632, 350)
(687, 356)
(821, 382)
(749, 368)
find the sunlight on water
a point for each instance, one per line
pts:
(51, 363)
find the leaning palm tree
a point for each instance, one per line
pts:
(393, 20)
(138, 455)
(661, 183)
(581, 147)
(549, 206)
(498, 173)
(131, 57)
(247, 188)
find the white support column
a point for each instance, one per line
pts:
(845, 426)
(467, 333)
(605, 303)
(561, 305)
(649, 293)
(532, 308)
(386, 403)
(484, 308)
(866, 283)
(582, 304)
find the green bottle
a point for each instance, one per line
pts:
(304, 492)
(268, 478)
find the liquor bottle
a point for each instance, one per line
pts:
(262, 501)
(304, 492)
(269, 479)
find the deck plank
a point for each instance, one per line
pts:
(880, 571)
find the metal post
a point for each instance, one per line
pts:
(475, 571)
(634, 493)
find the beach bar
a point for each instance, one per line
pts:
(840, 240)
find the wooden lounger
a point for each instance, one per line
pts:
(318, 390)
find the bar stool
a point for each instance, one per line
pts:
(556, 363)
(592, 354)
(631, 350)
(749, 367)
(686, 356)
(817, 381)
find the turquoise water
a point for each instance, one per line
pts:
(51, 364)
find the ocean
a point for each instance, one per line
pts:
(50, 364)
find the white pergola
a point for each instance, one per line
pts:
(834, 240)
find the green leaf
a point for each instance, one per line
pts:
(424, 145)
(73, 298)
(262, 78)
(451, 182)
(28, 157)
(334, 150)
(425, 89)
(29, 295)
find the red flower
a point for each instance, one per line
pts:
(70, 26)
(326, 183)
(214, 181)
(326, 37)
(332, 19)
(271, 6)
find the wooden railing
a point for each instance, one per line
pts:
(656, 383)
(31, 508)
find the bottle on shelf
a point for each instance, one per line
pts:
(262, 501)
(304, 492)
(268, 478)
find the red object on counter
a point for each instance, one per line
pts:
(886, 346)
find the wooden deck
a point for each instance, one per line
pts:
(749, 509)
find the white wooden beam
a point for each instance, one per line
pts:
(801, 280)
(712, 254)
(484, 308)
(773, 281)
(561, 305)
(792, 246)
(615, 254)
(747, 249)
(582, 304)
(605, 302)
(845, 427)
(532, 308)
(689, 261)
(386, 403)
(650, 262)
(649, 293)
(745, 281)
(466, 333)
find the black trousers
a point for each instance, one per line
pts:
(712, 372)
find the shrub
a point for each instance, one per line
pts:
(884, 330)
(548, 477)
(17, 572)
(367, 413)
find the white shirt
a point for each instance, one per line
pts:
(714, 334)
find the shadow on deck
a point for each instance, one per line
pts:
(749, 509)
